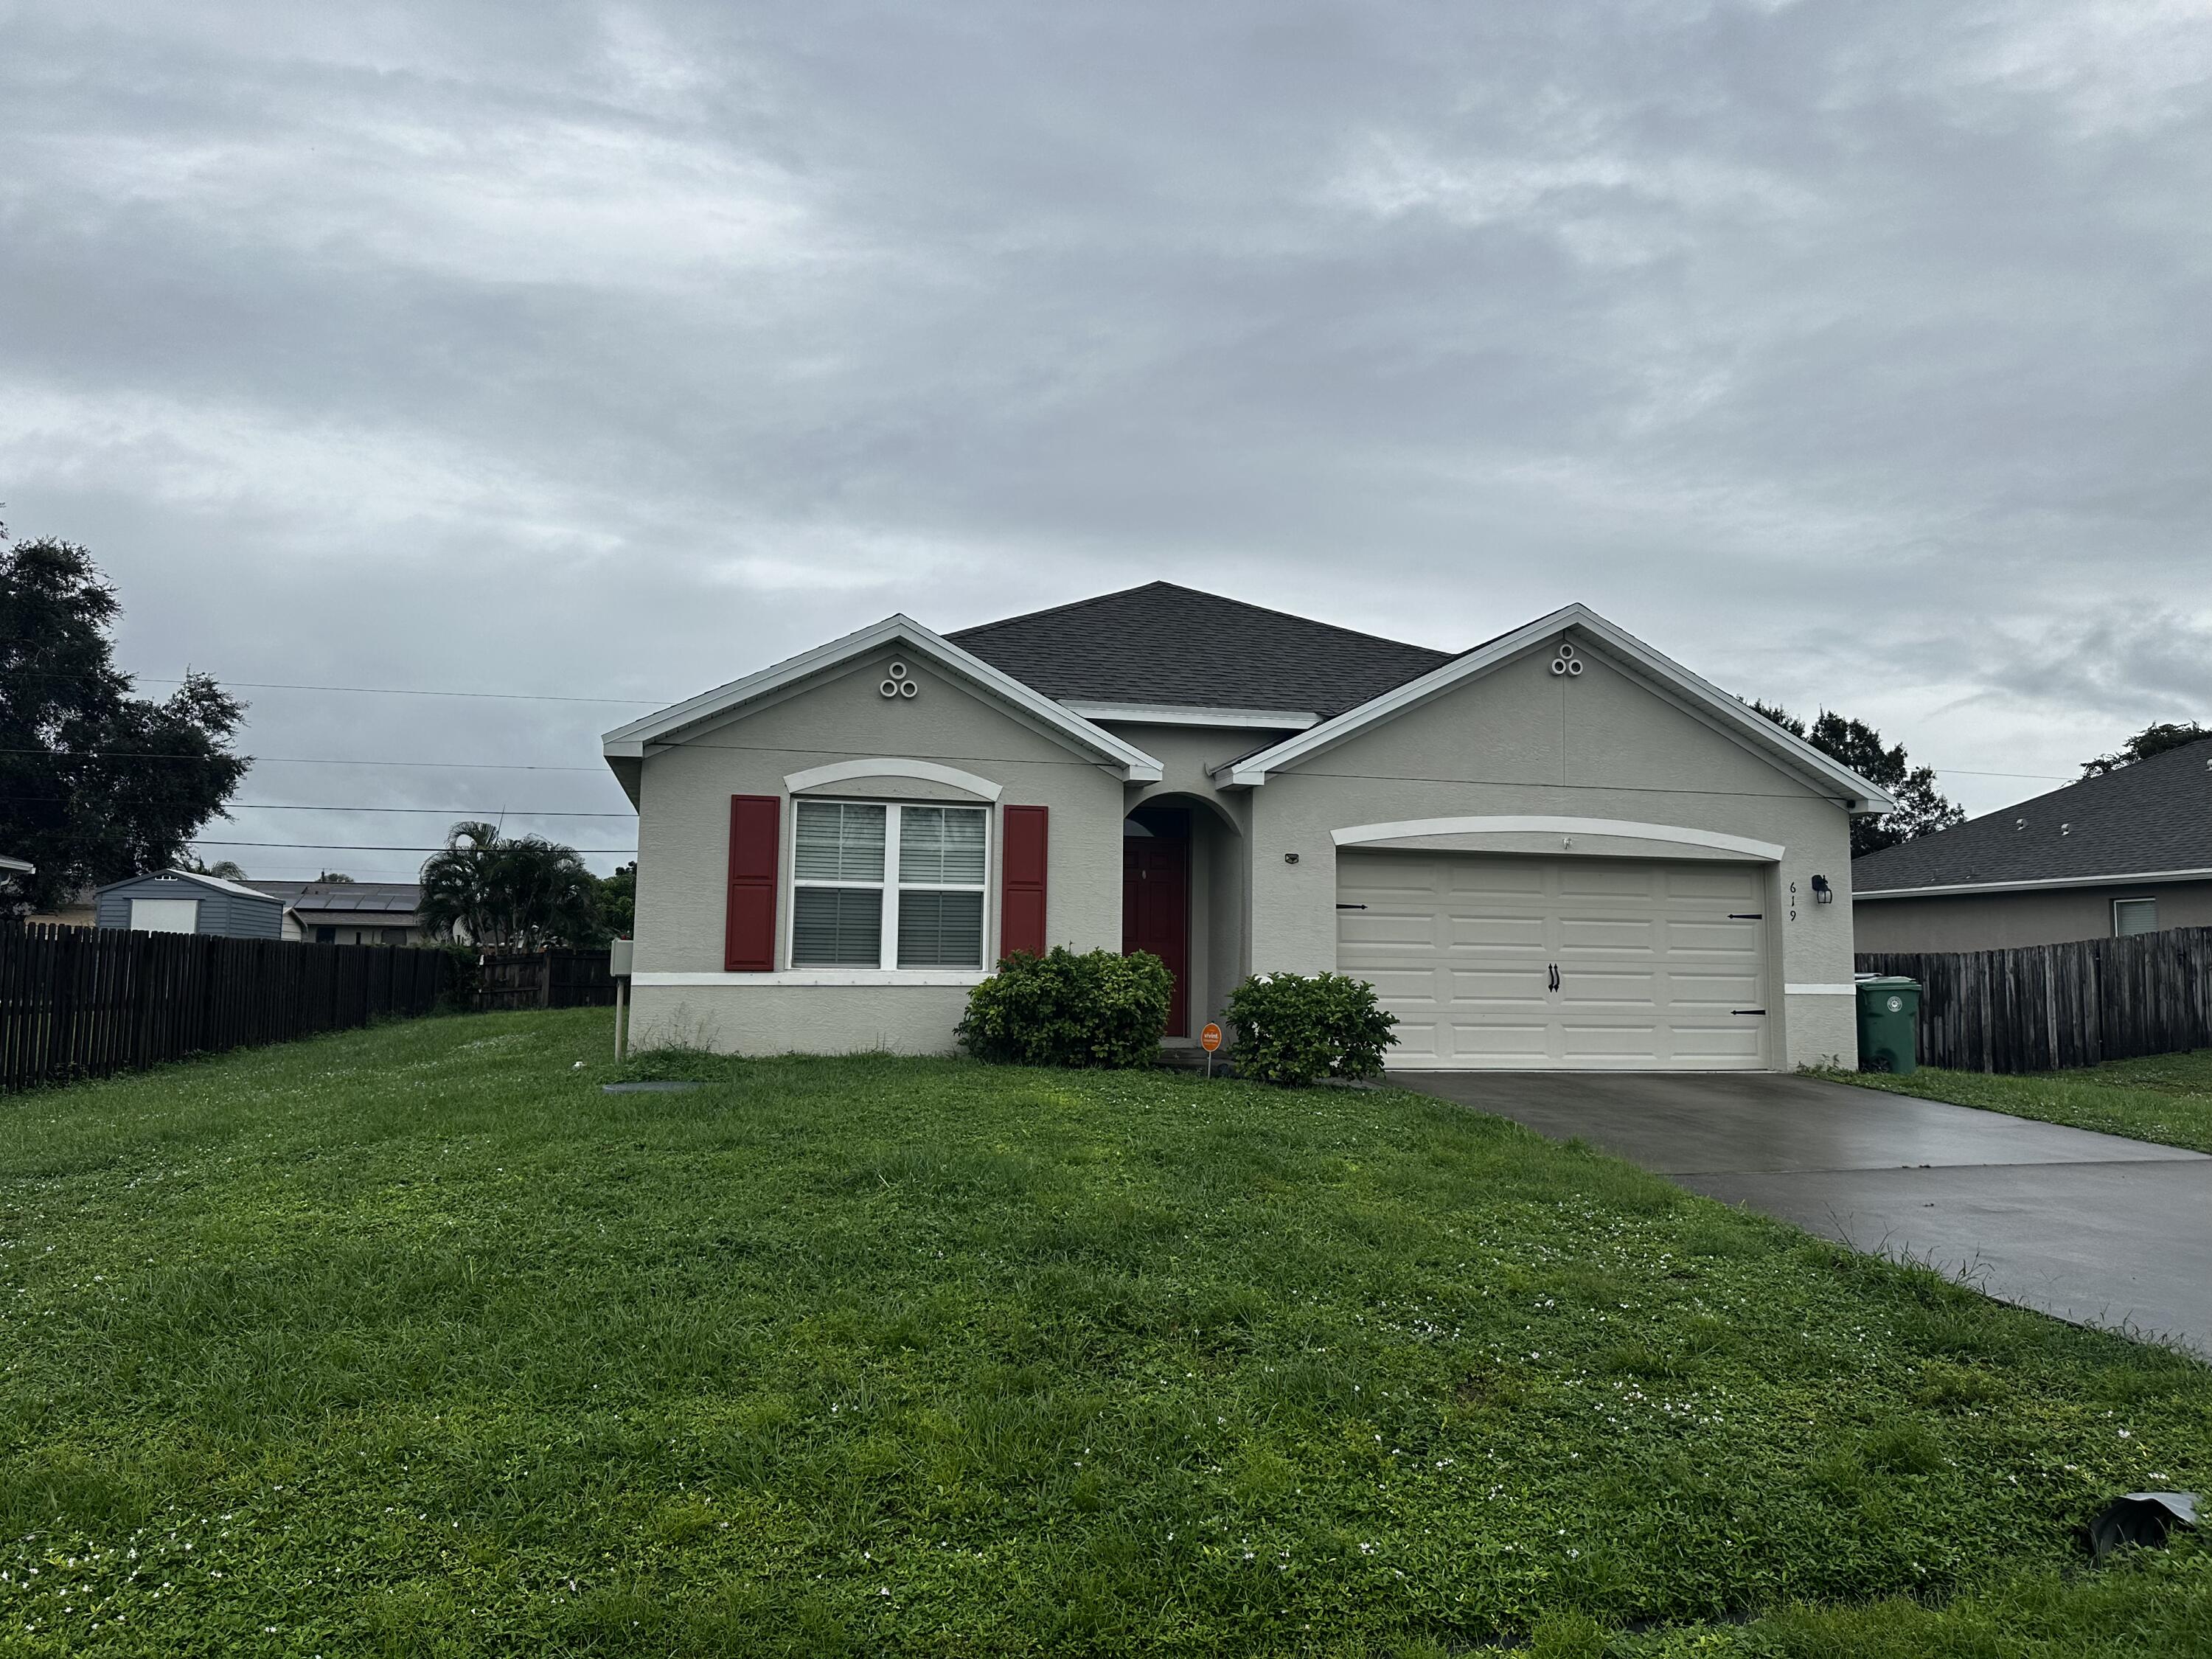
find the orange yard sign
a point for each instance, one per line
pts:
(1209, 1038)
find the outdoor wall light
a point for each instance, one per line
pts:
(1822, 893)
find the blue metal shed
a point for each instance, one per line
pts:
(179, 902)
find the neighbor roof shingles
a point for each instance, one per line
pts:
(1161, 643)
(322, 898)
(2153, 816)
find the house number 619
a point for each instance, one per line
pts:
(1793, 901)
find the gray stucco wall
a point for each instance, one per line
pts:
(1521, 741)
(684, 851)
(2004, 922)
(228, 915)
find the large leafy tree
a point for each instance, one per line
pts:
(524, 892)
(2153, 740)
(618, 899)
(95, 784)
(1921, 808)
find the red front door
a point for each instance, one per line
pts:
(1156, 912)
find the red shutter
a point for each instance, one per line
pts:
(1022, 861)
(749, 943)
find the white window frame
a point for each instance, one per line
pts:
(891, 886)
(2151, 899)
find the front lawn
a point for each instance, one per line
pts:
(2162, 1097)
(412, 1340)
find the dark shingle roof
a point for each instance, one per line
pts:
(1165, 644)
(2154, 816)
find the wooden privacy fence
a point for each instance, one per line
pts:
(81, 1002)
(2044, 1006)
(545, 979)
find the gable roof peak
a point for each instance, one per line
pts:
(631, 741)
(1730, 713)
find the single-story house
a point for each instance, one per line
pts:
(77, 909)
(180, 901)
(2125, 852)
(1556, 849)
(350, 912)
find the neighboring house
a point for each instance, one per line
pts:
(12, 867)
(1558, 849)
(79, 911)
(179, 901)
(350, 912)
(2127, 852)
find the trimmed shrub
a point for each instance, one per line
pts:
(1063, 1009)
(1293, 1030)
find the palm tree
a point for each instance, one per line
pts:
(525, 893)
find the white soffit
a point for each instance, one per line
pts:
(667, 726)
(2140, 879)
(1730, 713)
(1164, 713)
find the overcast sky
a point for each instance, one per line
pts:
(1851, 353)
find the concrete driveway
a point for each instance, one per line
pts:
(2090, 1227)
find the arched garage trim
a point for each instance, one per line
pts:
(1675, 835)
(817, 777)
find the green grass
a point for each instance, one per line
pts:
(2163, 1097)
(411, 1341)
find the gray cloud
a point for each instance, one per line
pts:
(1852, 355)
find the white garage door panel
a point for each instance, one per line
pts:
(1507, 986)
(1654, 960)
(164, 915)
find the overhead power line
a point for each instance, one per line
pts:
(357, 847)
(385, 691)
(426, 812)
(304, 760)
(431, 811)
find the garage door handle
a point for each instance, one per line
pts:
(1746, 1011)
(1555, 976)
(1351, 907)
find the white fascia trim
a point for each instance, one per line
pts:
(217, 883)
(816, 777)
(633, 739)
(1819, 990)
(822, 976)
(17, 867)
(2140, 879)
(1161, 714)
(1731, 713)
(1676, 835)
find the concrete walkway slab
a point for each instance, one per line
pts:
(2092, 1228)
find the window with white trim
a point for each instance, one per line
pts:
(887, 885)
(2131, 916)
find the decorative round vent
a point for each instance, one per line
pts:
(1566, 662)
(900, 684)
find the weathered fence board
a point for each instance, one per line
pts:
(81, 1002)
(545, 979)
(2043, 1008)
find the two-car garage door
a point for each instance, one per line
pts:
(1532, 964)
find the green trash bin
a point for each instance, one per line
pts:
(1889, 1020)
